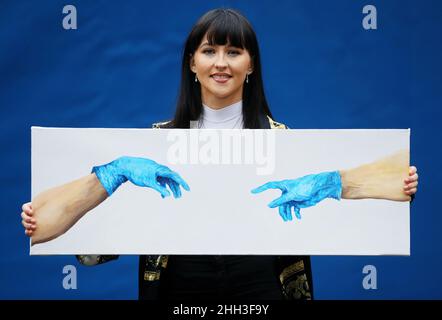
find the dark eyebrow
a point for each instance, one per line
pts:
(227, 45)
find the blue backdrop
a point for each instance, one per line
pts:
(322, 69)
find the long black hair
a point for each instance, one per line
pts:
(222, 26)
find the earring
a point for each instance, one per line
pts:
(196, 79)
(247, 78)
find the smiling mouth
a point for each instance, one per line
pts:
(221, 78)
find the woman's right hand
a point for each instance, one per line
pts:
(28, 221)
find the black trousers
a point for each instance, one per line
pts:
(220, 277)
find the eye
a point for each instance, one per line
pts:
(208, 51)
(233, 52)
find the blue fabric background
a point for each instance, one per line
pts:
(120, 68)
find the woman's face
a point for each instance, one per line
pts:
(221, 71)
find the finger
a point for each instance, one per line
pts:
(412, 170)
(282, 212)
(297, 212)
(27, 218)
(162, 190)
(279, 201)
(410, 185)
(176, 184)
(172, 188)
(288, 212)
(178, 188)
(412, 178)
(177, 178)
(175, 187)
(27, 208)
(162, 183)
(266, 186)
(411, 191)
(166, 182)
(28, 225)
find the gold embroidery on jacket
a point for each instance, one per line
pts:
(294, 281)
(291, 269)
(158, 125)
(298, 288)
(153, 266)
(151, 275)
(164, 260)
(276, 125)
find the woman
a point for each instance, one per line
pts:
(221, 87)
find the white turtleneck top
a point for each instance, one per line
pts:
(229, 117)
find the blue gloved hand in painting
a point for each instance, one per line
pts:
(303, 192)
(141, 172)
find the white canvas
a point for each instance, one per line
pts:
(220, 215)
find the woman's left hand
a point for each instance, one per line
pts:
(410, 184)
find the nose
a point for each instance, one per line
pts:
(220, 61)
